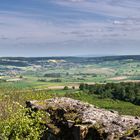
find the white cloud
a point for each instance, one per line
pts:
(74, 21)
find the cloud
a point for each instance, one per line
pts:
(69, 23)
(77, 0)
(113, 8)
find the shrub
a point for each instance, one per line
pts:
(66, 88)
(24, 124)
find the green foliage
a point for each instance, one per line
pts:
(54, 75)
(24, 124)
(56, 80)
(66, 88)
(121, 91)
(2, 80)
(73, 87)
(17, 122)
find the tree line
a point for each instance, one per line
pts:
(122, 91)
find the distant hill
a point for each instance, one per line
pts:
(27, 61)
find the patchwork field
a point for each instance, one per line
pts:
(63, 71)
(24, 79)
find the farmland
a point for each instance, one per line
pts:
(24, 79)
(60, 71)
(38, 78)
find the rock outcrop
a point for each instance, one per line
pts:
(74, 120)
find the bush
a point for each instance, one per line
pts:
(24, 124)
(66, 88)
(56, 80)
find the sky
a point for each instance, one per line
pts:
(69, 27)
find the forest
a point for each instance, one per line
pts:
(129, 92)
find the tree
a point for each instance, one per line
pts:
(66, 88)
(82, 86)
(73, 87)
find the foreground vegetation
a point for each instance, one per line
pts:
(17, 122)
(23, 79)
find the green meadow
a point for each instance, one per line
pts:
(40, 79)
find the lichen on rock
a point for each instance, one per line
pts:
(75, 120)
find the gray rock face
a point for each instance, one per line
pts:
(82, 121)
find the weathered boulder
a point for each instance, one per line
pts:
(74, 120)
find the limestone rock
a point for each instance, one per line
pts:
(77, 120)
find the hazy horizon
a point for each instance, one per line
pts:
(69, 27)
(57, 56)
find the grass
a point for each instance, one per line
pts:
(125, 108)
(26, 89)
(18, 93)
(104, 72)
(13, 98)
